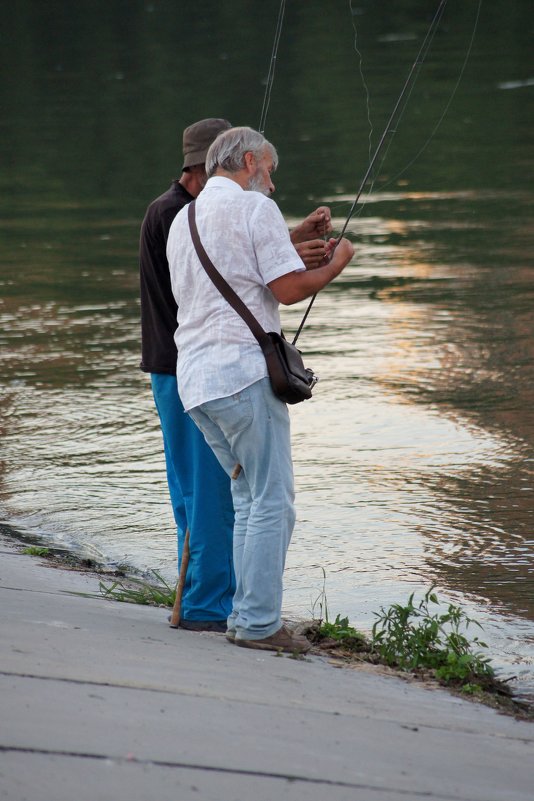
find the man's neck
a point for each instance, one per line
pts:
(241, 177)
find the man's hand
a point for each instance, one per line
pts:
(295, 286)
(313, 253)
(316, 224)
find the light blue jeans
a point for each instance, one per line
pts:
(251, 428)
(201, 501)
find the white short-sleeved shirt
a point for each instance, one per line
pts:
(246, 238)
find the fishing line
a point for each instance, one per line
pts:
(438, 124)
(272, 67)
(423, 51)
(447, 106)
(367, 99)
(393, 131)
(419, 62)
(362, 76)
(409, 84)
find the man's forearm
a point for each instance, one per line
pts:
(297, 286)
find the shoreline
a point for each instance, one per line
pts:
(67, 558)
(105, 700)
(502, 699)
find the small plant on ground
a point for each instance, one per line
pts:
(321, 602)
(340, 631)
(338, 636)
(139, 591)
(36, 550)
(412, 637)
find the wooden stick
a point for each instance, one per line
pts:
(236, 471)
(175, 617)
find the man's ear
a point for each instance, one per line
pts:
(200, 171)
(250, 161)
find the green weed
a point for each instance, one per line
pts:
(139, 591)
(471, 689)
(321, 602)
(412, 637)
(36, 550)
(339, 631)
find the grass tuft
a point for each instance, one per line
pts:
(36, 550)
(140, 591)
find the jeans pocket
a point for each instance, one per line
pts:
(232, 414)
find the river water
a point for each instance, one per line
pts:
(414, 461)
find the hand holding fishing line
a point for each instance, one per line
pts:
(305, 237)
(318, 223)
(315, 252)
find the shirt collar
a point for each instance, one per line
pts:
(224, 183)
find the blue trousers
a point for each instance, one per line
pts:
(201, 501)
(252, 428)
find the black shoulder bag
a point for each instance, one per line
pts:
(290, 380)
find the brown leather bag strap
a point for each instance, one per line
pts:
(222, 285)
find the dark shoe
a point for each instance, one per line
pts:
(204, 625)
(282, 640)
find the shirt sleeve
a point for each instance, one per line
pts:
(275, 253)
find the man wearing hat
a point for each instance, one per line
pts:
(198, 486)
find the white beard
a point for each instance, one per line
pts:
(255, 184)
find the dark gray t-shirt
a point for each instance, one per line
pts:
(158, 307)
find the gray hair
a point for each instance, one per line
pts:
(229, 148)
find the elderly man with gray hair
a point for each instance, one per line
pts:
(222, 375)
